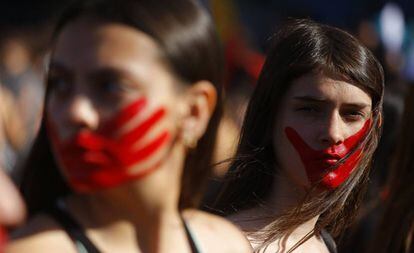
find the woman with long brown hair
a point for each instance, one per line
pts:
(310, 130)
(395, 233)
(131, 112)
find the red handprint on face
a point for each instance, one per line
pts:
(94, 160)
(326, 166)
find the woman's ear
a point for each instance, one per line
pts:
(201, 99)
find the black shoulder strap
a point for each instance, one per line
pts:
(329, 241)
(193, 245)
(73, 229)
(82, 242)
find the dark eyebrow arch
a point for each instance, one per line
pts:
(313, 99)
(357, 105)
(112, 73)
(115, 74)
(310, 99)
(105, 72)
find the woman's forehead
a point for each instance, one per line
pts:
(324, 88)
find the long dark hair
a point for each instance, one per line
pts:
(190, 47)
(299, 48)
(395, 233)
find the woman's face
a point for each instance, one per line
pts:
(320, 121)
(113, 109)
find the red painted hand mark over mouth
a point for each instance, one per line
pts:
(94, 160)
(322, 165)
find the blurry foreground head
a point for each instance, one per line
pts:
(132, 85)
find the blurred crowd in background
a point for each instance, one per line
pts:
(387, 28)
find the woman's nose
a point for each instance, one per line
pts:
(333, 131)
(81, 113)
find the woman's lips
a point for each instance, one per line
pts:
(326, 163)
(325, 159)
(331, 161)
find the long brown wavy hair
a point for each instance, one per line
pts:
(301, 47)
(395, 233)
(191, 49)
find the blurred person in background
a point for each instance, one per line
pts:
(358, 237)
(395, 232)
(307, 141)
(243, 62)
(12, 210)
(243, 65)
(23, 83)
(12, 132)
(131, 113)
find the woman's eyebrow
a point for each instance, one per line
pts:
(112, 73)
(356, 105)
(312, 99)
(105, 72)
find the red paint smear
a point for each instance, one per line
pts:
(99, 160)
(3, 238)
(317, 162)
(140, 131)
(122, 118)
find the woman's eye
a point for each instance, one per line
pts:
(110, 87)
(114, 87)
(308, 109)
(354, 115)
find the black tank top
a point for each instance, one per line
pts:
(329, 241)
(82, 242)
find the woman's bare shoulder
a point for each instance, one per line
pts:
(216, 234)
(40, 234)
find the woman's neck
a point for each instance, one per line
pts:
(141, 210)
(123, 223)
(283, 196)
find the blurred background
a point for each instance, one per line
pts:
(245, 26)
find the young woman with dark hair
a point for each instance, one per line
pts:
(132, 87)
(307, 141)
(395, 232)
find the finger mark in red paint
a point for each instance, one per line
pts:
(123, 117)
(135, 135)
(145, 152)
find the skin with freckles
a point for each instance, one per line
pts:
(328, 115)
